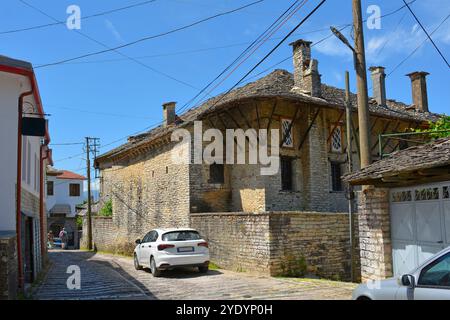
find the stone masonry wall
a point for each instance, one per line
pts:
(375, 234)
(276, 243)
(238, 241)
(149, 192)
(106, 236)
(8, 266)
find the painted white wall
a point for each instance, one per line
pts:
(61, 193)
(11, 86)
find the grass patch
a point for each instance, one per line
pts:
(213, 266)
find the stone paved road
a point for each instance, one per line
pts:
(112, 277)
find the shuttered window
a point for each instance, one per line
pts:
(74, 190)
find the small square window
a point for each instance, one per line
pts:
(216, 173)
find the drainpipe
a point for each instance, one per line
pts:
(41, 199)
(19, 188)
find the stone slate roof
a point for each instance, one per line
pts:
(276, 84)
(432, 155)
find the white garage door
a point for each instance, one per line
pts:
(420, 224)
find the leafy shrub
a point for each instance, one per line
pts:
(106, 210)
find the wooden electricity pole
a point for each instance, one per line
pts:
(89, 218)
(350, 195)
(361, 79)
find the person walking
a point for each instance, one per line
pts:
(50, 239)
(64, 238)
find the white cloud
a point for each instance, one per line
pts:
(114, 31)
(332, 47)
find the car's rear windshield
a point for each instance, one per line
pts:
(182, 235)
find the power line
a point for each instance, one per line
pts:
(418, 47)
(66, 144)
(100, 112)
(271, 51)
(84, 18)
(238, 58)
(342, 27)
(150, 37)
(232, 45)
(429, 37)
(112, 49)
(242, 54)
(259, 44)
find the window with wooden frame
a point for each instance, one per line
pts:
(336, 138)
(286, 173)
(287, 133)
(74, 189)
(50, 191)
(336, 173)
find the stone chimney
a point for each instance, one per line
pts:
(419, 90)
(169, 113)
(378, 85)
(306, 70)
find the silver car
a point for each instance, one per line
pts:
(430, 281)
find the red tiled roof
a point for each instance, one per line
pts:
(70, 175)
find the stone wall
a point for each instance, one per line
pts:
(151, 191)
(278, 243)
(375, 234)
(238, 241)
(106, 236)
(8, 265)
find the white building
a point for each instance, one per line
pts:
(64, 190)
(24, 155)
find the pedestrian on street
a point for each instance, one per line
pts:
(50, 239)
(63, 236)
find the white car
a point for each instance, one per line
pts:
(430, 281)
(163, 249)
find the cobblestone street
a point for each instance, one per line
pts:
(113, 277)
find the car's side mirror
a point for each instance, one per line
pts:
(408, 281)
(138, 241)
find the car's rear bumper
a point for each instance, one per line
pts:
(172, 261)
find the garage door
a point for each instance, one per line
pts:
(420, 224)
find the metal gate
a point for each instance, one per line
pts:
(420, 224)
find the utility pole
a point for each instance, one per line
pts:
(350, 195)
(89, 218)
(361, 79)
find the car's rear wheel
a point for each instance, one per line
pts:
(137, 266)
(155, 271)
(203, 269)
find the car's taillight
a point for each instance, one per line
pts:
(203, 244)
(165, 246)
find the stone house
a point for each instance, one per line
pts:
(404, 216)
(64, 192)
(24, 140)
(254, 222)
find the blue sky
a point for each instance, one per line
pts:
(110, 97)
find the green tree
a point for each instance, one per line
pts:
(438, 129)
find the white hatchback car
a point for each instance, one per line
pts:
(163, 249)
(430, 281)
